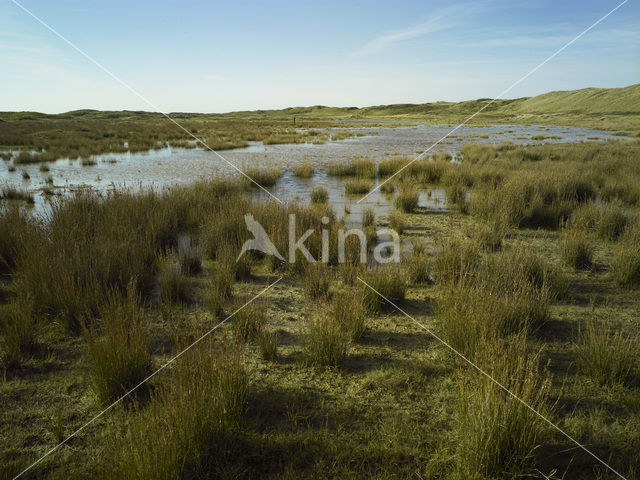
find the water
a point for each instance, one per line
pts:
(162, 168)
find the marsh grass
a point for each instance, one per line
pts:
(190, 424)
(357, 186)
(470, 314)
(389, 167)
(607, 355)
(625, 263)
(303, 170)
(368, 218)
(119, 351)
(576, 248)
(17, 334)
(389, 282)
(268, 339)
(248, 321)
(607, 220)
(457, 196)
(325, 341)
(319, 195)
(388, 188)
(419, 269)
(219, 288)
(407, 200)
(265, 177)
(349, 309)
(190, 255)
(317, 280)
(456, 259)
(497, 436)
(15, 228)
(397, 222)
(12, 193)
(489, 236)
(175, 286)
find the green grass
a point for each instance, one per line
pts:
(248, 321)
(577, 249)
(495, 435)
(625, 263)
(400, 405)
(18, 335)
(194, 415)
(119, 354)
(608, 356)
(397, 222)
(389, 282)
(348, 308)
(267, 339)
(325, 342)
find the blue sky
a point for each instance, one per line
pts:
(221, 56)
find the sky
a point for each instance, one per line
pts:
(210, 56)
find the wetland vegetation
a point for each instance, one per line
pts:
(530, 269)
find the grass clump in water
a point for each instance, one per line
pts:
(265, 177)
(407, 200)
(319, 195)
(357, 186)
(303, 170)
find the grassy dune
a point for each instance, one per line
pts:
(321, 378)
(83, 133)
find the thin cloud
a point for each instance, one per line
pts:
(416, 31)
(215, 77)
(434, 24)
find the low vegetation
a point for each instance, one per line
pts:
(533, 277)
